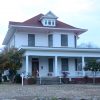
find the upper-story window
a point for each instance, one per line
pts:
(31, 40)
(45, 22)
(53, 23)
(50, 40)
(49, 22)
(64, 40)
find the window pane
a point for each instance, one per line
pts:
(49, 22)
(64, 40)
(64, 62)
(50, 40)
(50, 64)
(31, 40)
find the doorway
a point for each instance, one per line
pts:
(35, 67)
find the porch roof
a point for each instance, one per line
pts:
(65, 49)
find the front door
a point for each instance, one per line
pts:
(35, 67)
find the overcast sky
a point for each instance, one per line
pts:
(80, 13)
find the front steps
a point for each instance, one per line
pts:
(48, 80)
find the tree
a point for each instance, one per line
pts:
(94, 66)
(11, 59)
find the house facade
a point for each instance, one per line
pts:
(50, 47)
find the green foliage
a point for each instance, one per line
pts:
(11, 59)
(92, 65)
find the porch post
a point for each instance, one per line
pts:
(83, 65)
(56, 66)
(26, 65)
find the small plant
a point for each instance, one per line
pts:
(54, 98)
(17, 78)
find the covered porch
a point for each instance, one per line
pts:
(56, 66)
(53, 62)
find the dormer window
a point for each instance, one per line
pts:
(49, 19)
(52, 22)
(49, 22)
(45, 22)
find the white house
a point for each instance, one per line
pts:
(50, 47)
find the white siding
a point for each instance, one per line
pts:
(71, 41)
(11, 42)
(41, 39)
(57, 39)
(43, 62)
(71, 65)
(21, 39)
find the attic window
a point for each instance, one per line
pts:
(45, 22)
(49, 22)
(52, 22)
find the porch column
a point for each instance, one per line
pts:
(56, 66)
(83, 65)
(26, 65)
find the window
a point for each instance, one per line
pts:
(50, 40)
(64, 64)
(31, 40)
(53, 23)
(64, 40)
(45, 22)
(49, 22)
(50, 64)
(78, 65)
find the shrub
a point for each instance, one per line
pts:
(17, 78)
(5, 78)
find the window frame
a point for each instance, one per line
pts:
(50, 65)
(63, 68)
(30, 43)
(63, 43)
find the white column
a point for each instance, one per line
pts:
(56, 66)
(26, 65)
(83, 65)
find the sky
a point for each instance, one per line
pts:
(79, 13)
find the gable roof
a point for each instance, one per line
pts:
(49, 15)
(35, 21)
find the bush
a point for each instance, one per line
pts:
(5, 78)
(17, 78)
(0, 78)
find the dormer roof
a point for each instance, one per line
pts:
(49, 15)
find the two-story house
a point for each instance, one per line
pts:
(50, 46)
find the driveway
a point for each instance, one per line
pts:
(34, 92)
